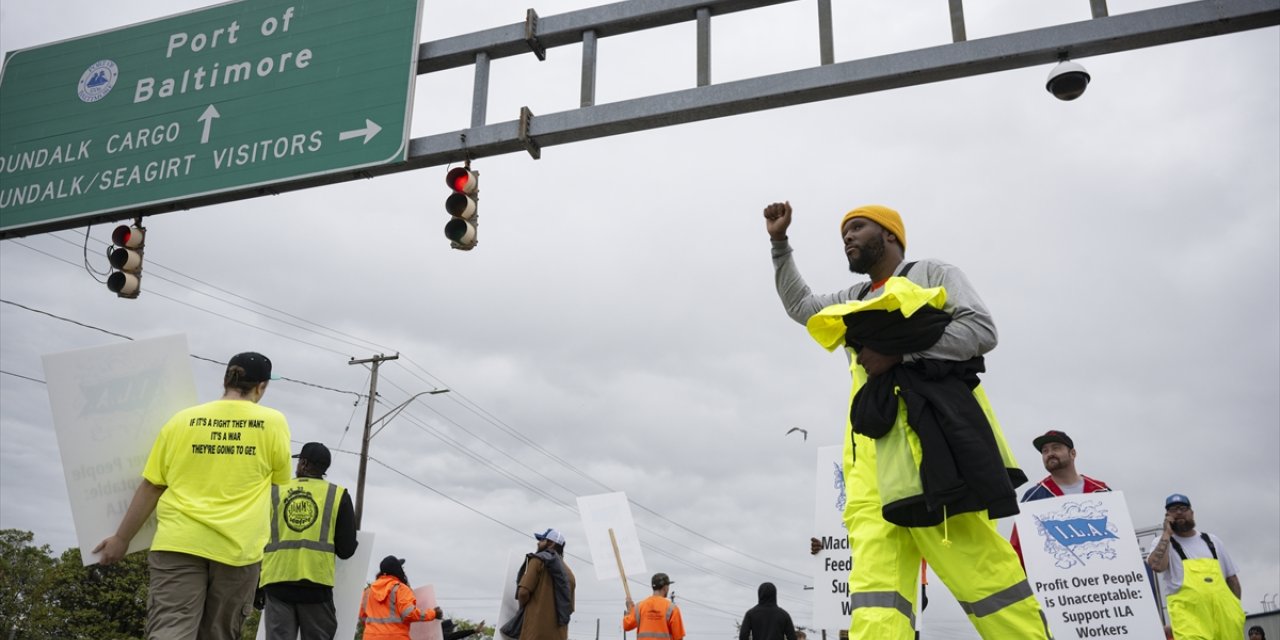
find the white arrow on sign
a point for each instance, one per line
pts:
(207, 118)
(370, 130)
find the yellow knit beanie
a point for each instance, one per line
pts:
(881, 215)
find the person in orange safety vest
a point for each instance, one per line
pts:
(656, 617)
(389, 606)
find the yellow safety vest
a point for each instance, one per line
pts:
(304, 516)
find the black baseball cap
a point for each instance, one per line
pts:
(317, 454)
(1053, 436)
(393, 566)
(660, 580)
(257, 367)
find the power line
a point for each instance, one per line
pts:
(77, 322)
(465, 402)
(197, 357)
(504, 524)
(19, 375)
(572, 508)
(466, 451)
(412, 419)
(365, 343)
(494, 420)
(293, 380)
(193, 306)
(242, 322)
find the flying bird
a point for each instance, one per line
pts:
(804, 432)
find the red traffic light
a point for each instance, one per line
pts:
(126, 258)
(127, 236)
(462, 205)
(463, 180)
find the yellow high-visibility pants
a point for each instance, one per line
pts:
(978, 566)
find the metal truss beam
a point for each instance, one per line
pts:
(532, 132)
(567, 28)
(1043, 46)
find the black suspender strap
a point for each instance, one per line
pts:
(1209, 542)
(1182, 554)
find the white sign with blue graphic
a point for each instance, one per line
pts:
(1084, 564)
(831, 605)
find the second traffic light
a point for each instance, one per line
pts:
(462, 205)
(125, 256)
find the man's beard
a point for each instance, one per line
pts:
(1184, 525)
(868, 255)
(1053, 464)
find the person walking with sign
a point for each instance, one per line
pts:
(1058, 451)
(208, 479)
(389, 606)
(656, 617)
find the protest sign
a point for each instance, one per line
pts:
(108, 405)
(426, 596)
(508, 607)
(1084, 565)
(831, 604)
(611, 512)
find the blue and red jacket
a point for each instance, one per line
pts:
(1047, 488)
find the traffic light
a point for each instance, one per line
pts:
(125, 256)
(462, 205)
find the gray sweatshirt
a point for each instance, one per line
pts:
(971, 333)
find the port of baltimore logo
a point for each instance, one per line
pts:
(97, 81)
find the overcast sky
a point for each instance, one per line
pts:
(617, 327)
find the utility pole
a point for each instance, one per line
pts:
(368, 424)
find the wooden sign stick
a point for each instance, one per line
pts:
(618, 556)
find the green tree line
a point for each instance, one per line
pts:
(49, 597)
(43, 596)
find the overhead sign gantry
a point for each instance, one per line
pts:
(299, 97)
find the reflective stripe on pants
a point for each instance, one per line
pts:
(977, 565)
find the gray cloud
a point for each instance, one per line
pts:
(619, 311)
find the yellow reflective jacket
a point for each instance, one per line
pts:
(894, 476)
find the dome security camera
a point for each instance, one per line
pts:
(1067, 81)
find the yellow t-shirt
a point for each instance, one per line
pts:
(218, 460)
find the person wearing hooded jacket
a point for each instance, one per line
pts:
(949, 524)
(389, 606)
(545, 587)
(766, 620)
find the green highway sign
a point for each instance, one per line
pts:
(238, 96)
